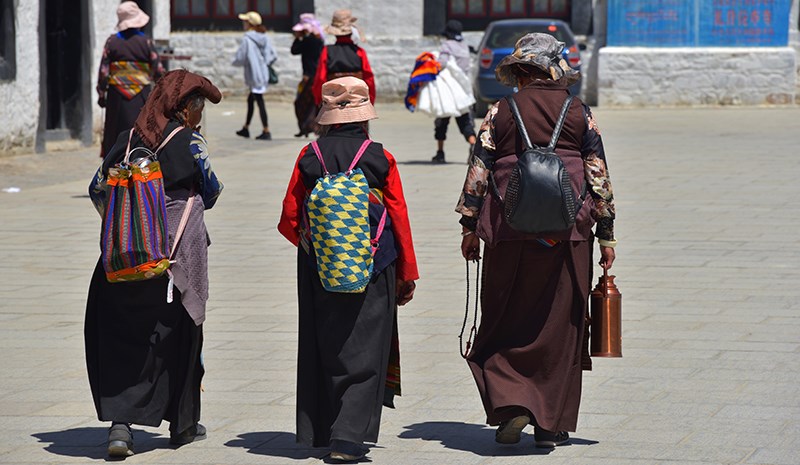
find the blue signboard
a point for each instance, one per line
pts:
(698, 23)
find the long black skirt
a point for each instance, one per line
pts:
(142, 354)
(343, 353)
(121, 113)
(305, 110)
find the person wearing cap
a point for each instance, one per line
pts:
(309, 40)
(343, 58)
(255, 54)
(348, 342)
(142, 353)
(527, 354)
(128, 66)
(454, 47)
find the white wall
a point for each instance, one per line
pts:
(638, 76)
(19, 112)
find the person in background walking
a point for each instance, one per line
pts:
(454, 47)
(526, 358)
(143, 351)
(128, 66)
(309, 41)
(344, 58)
(255, 54)
(348, 341)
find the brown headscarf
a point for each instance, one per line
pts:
(162, 104)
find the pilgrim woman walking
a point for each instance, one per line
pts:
(343, 58)
(143, 350)
(128, 66)
(526, 358)
(348, 360)
(308, 43)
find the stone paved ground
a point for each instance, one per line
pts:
(707, 263)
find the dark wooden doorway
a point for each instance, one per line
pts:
(66, 77)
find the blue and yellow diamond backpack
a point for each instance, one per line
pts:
(338, 225)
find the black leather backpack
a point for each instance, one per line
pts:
(539, 197)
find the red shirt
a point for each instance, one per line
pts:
(322, 70)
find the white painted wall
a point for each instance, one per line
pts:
(639, 76)
(19, 113)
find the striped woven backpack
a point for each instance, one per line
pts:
(134, 241)
(338, 224)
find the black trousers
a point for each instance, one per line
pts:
(464, 125)
(262, 110)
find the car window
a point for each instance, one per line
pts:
(507, 36)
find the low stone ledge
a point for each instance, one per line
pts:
(644, 77)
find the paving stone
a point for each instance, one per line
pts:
(708, 265)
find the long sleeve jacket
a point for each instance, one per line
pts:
(580, 147)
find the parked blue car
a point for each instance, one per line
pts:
(499, 40)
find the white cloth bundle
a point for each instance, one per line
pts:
(450, 94)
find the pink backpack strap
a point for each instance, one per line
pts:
(163, 143)
(379, 231)
(168, 138)
(360, 152)
(318, 153)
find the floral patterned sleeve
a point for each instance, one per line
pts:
(480, 165)
(598, 180)
(210, 186)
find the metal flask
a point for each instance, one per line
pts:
(606, 303)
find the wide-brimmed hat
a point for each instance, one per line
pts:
(308, 22)
(345, 100)
(342, 23)
(251, 17)
(541, 51)
(453, 30)
(130, 15)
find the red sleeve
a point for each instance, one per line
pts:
(293, 204)
(321, 77)
(395, 203)
(366, 70)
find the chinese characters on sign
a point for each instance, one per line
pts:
(698, 23)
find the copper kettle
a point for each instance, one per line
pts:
(606, 303)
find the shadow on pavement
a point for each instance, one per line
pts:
(428, 162)
(91, 442)
(477, 439)
(275, 444)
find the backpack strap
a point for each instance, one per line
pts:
(178, 235)
(512, 105)
(560, 122)
(360, 152)
(526, 140)
(166, 140)
(318, 153)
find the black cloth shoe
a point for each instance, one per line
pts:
(264, 136)
(193, 433)
(120, 440)
(509, 431)
(549, 439)
(439, 158)
(244, 132)
(346, 451)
